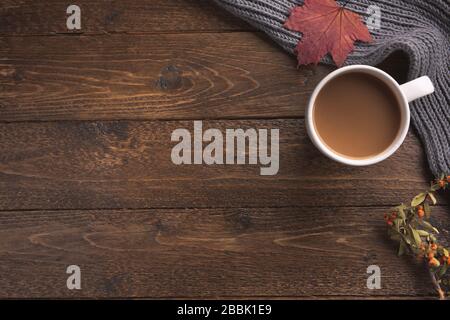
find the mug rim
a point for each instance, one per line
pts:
(403, 104)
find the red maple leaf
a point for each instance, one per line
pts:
(326, 27)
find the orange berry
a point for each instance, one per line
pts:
(434, 262)
(420, 213)
(430, 255)
(448, 261)
(433, 246)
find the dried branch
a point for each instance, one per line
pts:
(416, 236)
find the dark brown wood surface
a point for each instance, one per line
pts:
(122, 164)
(227, 252)
(28, 17)
(164, 76)
(86, 176)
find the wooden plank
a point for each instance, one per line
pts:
(194, 76)
(29, 17)
(127, 164)
(200, 76)
(301, 252)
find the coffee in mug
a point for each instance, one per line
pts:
(359, 115)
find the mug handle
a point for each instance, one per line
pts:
(417, 88)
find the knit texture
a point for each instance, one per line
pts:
(420, 28)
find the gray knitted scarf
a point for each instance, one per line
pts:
(421, 28)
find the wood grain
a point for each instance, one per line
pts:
(90, 165)
(263, 252)
(29, 17)
(191, 76)
(187, 231)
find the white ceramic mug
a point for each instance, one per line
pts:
(404, 93)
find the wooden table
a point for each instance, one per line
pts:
(86, 177)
